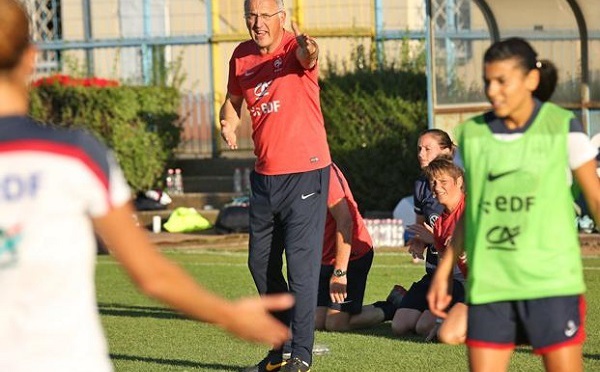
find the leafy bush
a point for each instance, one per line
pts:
(138, 123)
(373, 119)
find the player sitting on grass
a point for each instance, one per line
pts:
(446, 180)
(347, 259)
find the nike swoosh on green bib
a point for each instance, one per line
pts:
(520, 238)
(492, 177)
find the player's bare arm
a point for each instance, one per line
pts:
(416, 246)
(308, 49)
(229, 118)
(163, 280)
(438, 296)
(422, 231)
(343, 220)
(588, 180)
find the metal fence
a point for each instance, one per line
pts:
(187, 44)
(196, 131)
(563, 31)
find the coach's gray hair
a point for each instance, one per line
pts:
(279, 3)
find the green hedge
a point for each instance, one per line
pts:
(373, 119)
(138, 123)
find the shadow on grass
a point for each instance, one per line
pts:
(175, 362)
(138, 311)
(528, 350)
(384, 330)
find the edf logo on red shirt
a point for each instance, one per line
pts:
(262, 90)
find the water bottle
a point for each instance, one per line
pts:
(367, 223)
(376, 235)
(170, 181)
(388, 232)
(135, 219)
(156, 224)
(382, 235)
(178, 181)
(237, 180)
(320, 349)
(586, 224)
(393, 233)
(369, 226)
(246, 180)
(399, 231)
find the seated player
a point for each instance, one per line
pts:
(446, 180)
(347, 259)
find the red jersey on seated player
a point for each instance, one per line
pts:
(361, 240)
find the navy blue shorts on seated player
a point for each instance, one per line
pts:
(358, 270)
(416, 297)
(546, 324)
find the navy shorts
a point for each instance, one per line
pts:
(358, 270)
(546, 323)
(416, 297)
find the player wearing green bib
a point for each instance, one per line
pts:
(525, 281)
(516, 251)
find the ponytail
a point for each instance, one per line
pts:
(548, 80)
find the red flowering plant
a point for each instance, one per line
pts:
(69, 81)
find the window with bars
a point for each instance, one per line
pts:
(46, 21)
(452, 18)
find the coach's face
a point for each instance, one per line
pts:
(264, 20)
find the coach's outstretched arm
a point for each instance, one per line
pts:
(307, 52)
(229, 117)
(161, 279)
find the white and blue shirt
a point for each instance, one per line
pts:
(52, 182)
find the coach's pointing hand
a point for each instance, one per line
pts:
(308, 50)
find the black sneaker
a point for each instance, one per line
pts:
(295, 365)
(271, 363)
(396, 295)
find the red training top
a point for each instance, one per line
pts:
(283, 100)
(443, 230)
(361, 240)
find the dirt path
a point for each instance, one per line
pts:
(590, 243)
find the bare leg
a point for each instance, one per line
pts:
(320, 317)
(337, 321)
(340, 321)
(453, 330)
(368, 317)
(568, 358)
(405, 321)
(489, 360)
(425, 323)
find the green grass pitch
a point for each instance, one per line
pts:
(145, 336)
